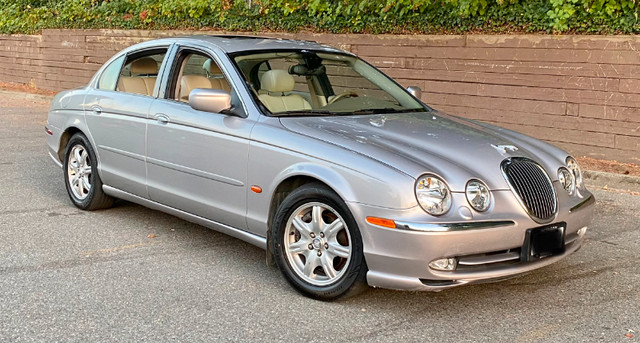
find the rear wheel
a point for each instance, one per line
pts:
(317, 245)
(81, 175)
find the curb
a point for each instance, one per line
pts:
(600, 179)
(25, 96)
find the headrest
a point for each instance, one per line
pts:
(211, 67)
(145, 65)
(277, 80)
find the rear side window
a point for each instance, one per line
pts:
(140, 72)
(109, 76)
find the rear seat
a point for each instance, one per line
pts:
(144, 73)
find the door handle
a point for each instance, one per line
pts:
(161, 118)
(97, 110)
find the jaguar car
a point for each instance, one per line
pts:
(344, 177)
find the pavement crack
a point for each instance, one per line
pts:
(610, 243)
(77, 262)
(35, 210)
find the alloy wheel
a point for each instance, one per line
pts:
(79, 172)
(317, 244)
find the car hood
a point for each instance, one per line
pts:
(427, 142)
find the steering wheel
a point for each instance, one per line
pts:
(343, 96)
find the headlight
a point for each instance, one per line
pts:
(566, 180)
(478, 195)
(433, 195)
(572, 164)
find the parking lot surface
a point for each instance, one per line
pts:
(133, 274)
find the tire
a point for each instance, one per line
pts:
(81, 178)
(321, 259)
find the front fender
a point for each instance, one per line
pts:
(325, 174)
(371, 183)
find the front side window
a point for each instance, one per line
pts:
(197, 70)
(109, 76)
(317, 83)
(140, 72)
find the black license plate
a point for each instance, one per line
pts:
(543, 241)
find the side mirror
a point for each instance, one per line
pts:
(209, 100)
(415, 91)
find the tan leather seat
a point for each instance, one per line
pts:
(215, 80)
(143, 77)
(215, 76)
(191, 82)
(276, 82)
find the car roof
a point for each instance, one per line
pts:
(238, 43)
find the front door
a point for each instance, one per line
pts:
(197, 161)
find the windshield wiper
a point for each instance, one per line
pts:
(382, 110)
(304, 113)
(356, 112)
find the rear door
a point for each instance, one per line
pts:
(116, 114)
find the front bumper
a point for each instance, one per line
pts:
(399, 258)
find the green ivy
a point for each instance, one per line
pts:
(339, 16)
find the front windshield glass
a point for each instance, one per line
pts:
(320, 83)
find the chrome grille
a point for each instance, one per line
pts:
(532, 186)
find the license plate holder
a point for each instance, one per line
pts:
(543, 242)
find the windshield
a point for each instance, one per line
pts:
(318, 83)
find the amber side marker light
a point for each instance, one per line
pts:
(381, 222)
(256, 189)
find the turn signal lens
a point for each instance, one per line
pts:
(445, 264)
(381, 222)
(256, 189)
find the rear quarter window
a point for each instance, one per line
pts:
(109, 77)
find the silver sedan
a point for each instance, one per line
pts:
(344, 177)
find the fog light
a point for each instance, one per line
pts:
(582, 231)
(446, 264)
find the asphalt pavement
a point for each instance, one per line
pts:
(132, 274)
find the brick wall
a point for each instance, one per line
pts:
(579, 92)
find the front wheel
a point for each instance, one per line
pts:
(317, 245)
(81, 175)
